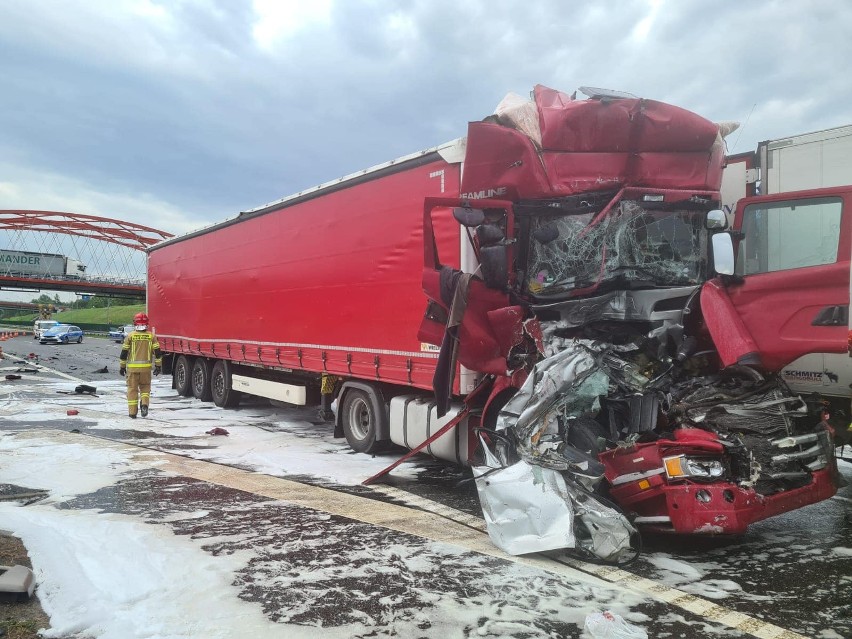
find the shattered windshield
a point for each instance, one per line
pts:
(632, 246)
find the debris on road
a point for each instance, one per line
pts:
(217, 431)
(607, 625)
(13, 377)
(17, 582)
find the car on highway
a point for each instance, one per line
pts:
(62, 334)
(119, 334)
(40, 326)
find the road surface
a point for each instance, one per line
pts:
(276, 506)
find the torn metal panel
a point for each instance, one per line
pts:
(539, 418)
(704, 448)
(529, 508)
(556, 145)
(526, 507)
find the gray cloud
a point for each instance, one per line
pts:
(178, 103)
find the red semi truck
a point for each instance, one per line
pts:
(577, 271)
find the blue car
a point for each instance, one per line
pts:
(62, 334)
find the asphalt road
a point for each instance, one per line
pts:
(792, 571)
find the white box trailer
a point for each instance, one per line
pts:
(798, 163)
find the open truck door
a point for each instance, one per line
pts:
(469, 314)
(789, 295)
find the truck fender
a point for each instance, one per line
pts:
(379, 405)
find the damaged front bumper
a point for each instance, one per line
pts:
(640, 483)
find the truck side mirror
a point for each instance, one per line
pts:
(723, 254)
(495, 267)
(489, 234)
(545, 234)
(469, 217)
(716, 220)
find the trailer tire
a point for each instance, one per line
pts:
(182, 376)
(201, 380)
(220, 386)
(359, 420)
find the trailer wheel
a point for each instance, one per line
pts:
(183, 376)
(359, 421)
(220, 386)
(201, 380)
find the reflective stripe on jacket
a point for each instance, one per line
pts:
(139, 348)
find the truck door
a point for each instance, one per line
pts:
(791, 289)
(469, 314)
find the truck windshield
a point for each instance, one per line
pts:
(633, 246)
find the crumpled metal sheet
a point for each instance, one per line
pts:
(527, 508)
(544, 501)
(533, 410)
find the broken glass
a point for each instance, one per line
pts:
(631, 245)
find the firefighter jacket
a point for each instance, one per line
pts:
(139, 348)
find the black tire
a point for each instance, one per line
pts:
(201, 380)
(220, 386)
(584, 434)
(182, 376)
(360, 421)
(80, 341)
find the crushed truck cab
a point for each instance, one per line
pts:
(604, 239)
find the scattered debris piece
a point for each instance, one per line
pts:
(26, 370)
(217, 431)
(607, 625)
(85, 389)
(103, 370)
(72, 411)
(16, 581)
(11, 377)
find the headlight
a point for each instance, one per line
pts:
(683, 466)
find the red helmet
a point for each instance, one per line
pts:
(140, 318)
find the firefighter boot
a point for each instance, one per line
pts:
(144, 410)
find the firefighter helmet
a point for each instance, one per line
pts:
(140, 319)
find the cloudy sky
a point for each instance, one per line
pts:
(180, 113)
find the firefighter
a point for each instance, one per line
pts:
(139, 348)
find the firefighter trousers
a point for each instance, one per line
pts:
(138, 388)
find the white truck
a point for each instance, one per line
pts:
(40, 265)
(800, 163)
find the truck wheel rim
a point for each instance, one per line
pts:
(219, 385)
(360, 419)
(198, 379)
(181, 375)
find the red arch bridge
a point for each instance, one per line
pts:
(73, 252)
